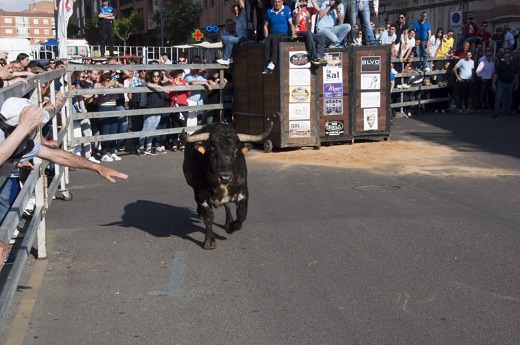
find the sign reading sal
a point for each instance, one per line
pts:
(371, 64)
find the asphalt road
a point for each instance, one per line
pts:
(326, 256)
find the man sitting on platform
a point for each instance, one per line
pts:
(279, 20)
(235, 33)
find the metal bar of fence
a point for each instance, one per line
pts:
(105, 67)
(419, 102)
(128, 135)
(11, 283)
(146, 111)
(35, 184)
(140, 89)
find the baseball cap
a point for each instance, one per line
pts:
(12, 107)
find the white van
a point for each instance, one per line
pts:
(15, 46)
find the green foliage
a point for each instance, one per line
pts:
(91, 33)
(180, 20)
(72, 30)
(125, 27)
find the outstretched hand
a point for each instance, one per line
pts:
(109, 174)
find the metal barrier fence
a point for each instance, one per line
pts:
(43, 187)
(136, 112)
(37, 184)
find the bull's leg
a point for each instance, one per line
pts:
(229, 217)
(206, 213)
(235, 225)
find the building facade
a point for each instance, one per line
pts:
(36, 24)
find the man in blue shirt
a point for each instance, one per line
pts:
(106, 25)
(279, 20)
(423, 32)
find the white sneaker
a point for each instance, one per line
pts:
(270, 66)
(223, 62)
(107, 158)
(266, 71)
(115, 157)
(409, 114)
(93, 160)
(231, 60)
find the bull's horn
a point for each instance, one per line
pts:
(194, 138)
(246, 138)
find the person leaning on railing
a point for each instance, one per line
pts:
(30, 118)
(18, 121)
(10, 118)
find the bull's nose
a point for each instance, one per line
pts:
(224, 178)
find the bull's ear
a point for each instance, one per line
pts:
(246, 147)
(200, 147)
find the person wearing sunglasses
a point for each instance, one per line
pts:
(109, 125)
(401, 26)
(106, 27)
(156, 99)
(52, 65)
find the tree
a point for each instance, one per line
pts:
(125, 27)
(72, 30)
(179, 21)
(92, 31)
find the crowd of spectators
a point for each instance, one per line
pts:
(478, 72)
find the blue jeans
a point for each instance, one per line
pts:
(422, 52)
(315, 44)
(505, 93)
(336, 34)
(8, 193)
(109, 125)
(122, 125)
(150, 123)
(364, 17)
(163, 124)
(228, 42)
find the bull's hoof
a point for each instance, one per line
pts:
(210, 244)
(234, 226)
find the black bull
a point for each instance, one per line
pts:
(215, 167)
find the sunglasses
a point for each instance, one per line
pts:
(182, 60)
(401, 17)
(52, 62)
(156, 75)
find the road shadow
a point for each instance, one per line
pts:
(162, 220)
(465, 132)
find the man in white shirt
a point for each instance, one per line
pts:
(509, 39)
(388, 37)
(485, 70)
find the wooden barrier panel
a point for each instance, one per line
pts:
(371, 91)
(334, 97)
(286, 97)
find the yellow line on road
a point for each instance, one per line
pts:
(20, 324)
